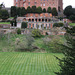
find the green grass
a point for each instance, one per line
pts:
(17, 63)
(72, 24)
(4, 22)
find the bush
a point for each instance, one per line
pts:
(72, 17)
(58, 24)
(36, 33)
(46, 33)
(52, 44)
(55, 24)
(24, 25)
(18, 31)
(24, 43)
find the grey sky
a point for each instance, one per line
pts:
(9, 3)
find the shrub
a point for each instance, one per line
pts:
(18, 31)
(55, 24)
(46, 33)
(52, 44)
(24, 25)
(24, 43)
(36, 33)
(58, 24)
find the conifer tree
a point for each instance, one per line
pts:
(67, 64)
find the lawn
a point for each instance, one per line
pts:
(72, 24)
(4, 22)
(21, 63)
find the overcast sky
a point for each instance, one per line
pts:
(9, 3)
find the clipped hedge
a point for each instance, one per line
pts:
(58, 25)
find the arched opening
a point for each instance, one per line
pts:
(36, 20)
(39, 19)
(29, 19)
(45, 20)
(33, 20)
(42, 20)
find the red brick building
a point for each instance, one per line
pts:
(58, 4)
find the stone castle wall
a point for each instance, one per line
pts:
(42, 3)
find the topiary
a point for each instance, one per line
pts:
(58, 24)
(36, 33)
(18, 31)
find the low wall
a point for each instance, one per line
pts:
(5, 26)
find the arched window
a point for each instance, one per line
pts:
(42, 20)
(45, 20)
(39, 19)
(36, 20)
(29, 19)
(33, 20)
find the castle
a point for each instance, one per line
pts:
(43, 20)
(58, 4)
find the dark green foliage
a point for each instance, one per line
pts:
(55, 24)
(46, 33)
(54, 12)
(67, 64)
(13, 23)
(58, 24)
(61, 18)
(72, 17)
(29, 10)
(23, 11)
(34, 9)
(4, 14)
(68, 11)
(18, 11)
(39, 10)
(13, 11)
(44, 10)
(36, 33)
(24, 25)
(18, 31)
(49, 10)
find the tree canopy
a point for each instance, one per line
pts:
(4, 14)
(54, 12)
(49, 10)
(44, 10)
(67, 64)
